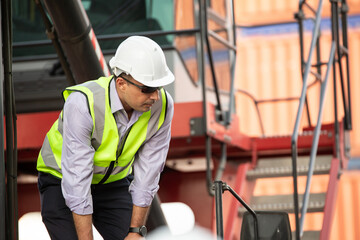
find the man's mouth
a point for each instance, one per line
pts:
(149, 103)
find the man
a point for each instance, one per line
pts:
(110, 130)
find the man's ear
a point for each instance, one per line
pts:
(120, 82)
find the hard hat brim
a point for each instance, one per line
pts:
(166, 80)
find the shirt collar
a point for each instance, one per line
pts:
(116, 104)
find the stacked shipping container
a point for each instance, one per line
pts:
(268, 67)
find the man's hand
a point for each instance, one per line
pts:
(83, 225)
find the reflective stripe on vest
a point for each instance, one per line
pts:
(105, 136)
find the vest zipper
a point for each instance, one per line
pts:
(121, 145)
(108, 172)
(112, 163)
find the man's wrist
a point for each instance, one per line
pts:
(142, 230)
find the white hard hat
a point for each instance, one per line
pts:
(144, 60)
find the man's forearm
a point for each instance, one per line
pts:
(138, 218)
(83, 225)
(139, 215)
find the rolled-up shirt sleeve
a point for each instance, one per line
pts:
(77, 155)
(149, 162)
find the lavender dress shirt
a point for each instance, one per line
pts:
(77, 153)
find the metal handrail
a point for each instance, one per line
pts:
(295, 134)
(219, 187)
(270, 100)
(316, 139)
(108, 37)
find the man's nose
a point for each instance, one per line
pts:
(155, 95)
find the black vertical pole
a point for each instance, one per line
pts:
(218, 206)
(344, 10)
(294, 155)
(339, 54)
(300, 18)
(2, 156)
(11, 211)
(218, 107)
(200, 6)
(334, 24)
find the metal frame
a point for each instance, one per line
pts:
(336, 51)
(316, 140)
(221, 117)
(341, 51)
(219, 188)
(295, 134)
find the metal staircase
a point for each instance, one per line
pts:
(270, 169)
(280, 168)
(313, 159)
(316, 151)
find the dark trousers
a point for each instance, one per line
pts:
(112, 209)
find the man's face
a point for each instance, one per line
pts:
(132, 97)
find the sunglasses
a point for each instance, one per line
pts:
(144, 89)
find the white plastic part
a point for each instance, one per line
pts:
(197, 233)
(179, 217)
(31, 227)
(144, 60)
(181, 224)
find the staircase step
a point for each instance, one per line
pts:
(282, 167)
(285, 203)
(308, 235)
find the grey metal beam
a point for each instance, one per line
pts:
(75, 33)
(2, 156)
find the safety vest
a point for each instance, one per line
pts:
(113, 158)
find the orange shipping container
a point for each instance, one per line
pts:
(249, 13)
(268, 67)
(347, 215)
(259, 12)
